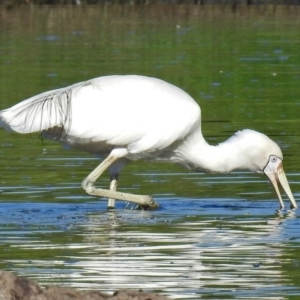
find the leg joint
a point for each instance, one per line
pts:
(88, 186)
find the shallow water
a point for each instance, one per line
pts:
(214, 237)
(236, 247)
(189, 248)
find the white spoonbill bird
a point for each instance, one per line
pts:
(134, 117)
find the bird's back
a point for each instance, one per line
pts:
(141, 113)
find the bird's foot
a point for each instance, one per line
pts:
(133, 206)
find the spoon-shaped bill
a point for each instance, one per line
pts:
(285, 185)
(274, 171)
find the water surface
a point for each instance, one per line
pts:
(214, 237)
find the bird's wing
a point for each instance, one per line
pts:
(136, 112)
(141, 113)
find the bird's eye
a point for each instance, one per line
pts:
(273, 159)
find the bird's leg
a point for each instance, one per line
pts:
(113, 187)
(88, 184)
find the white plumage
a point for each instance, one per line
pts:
(136, 117)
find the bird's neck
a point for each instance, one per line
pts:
(196, 154)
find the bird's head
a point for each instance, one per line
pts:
(264, 156)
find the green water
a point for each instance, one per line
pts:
(215, 237)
